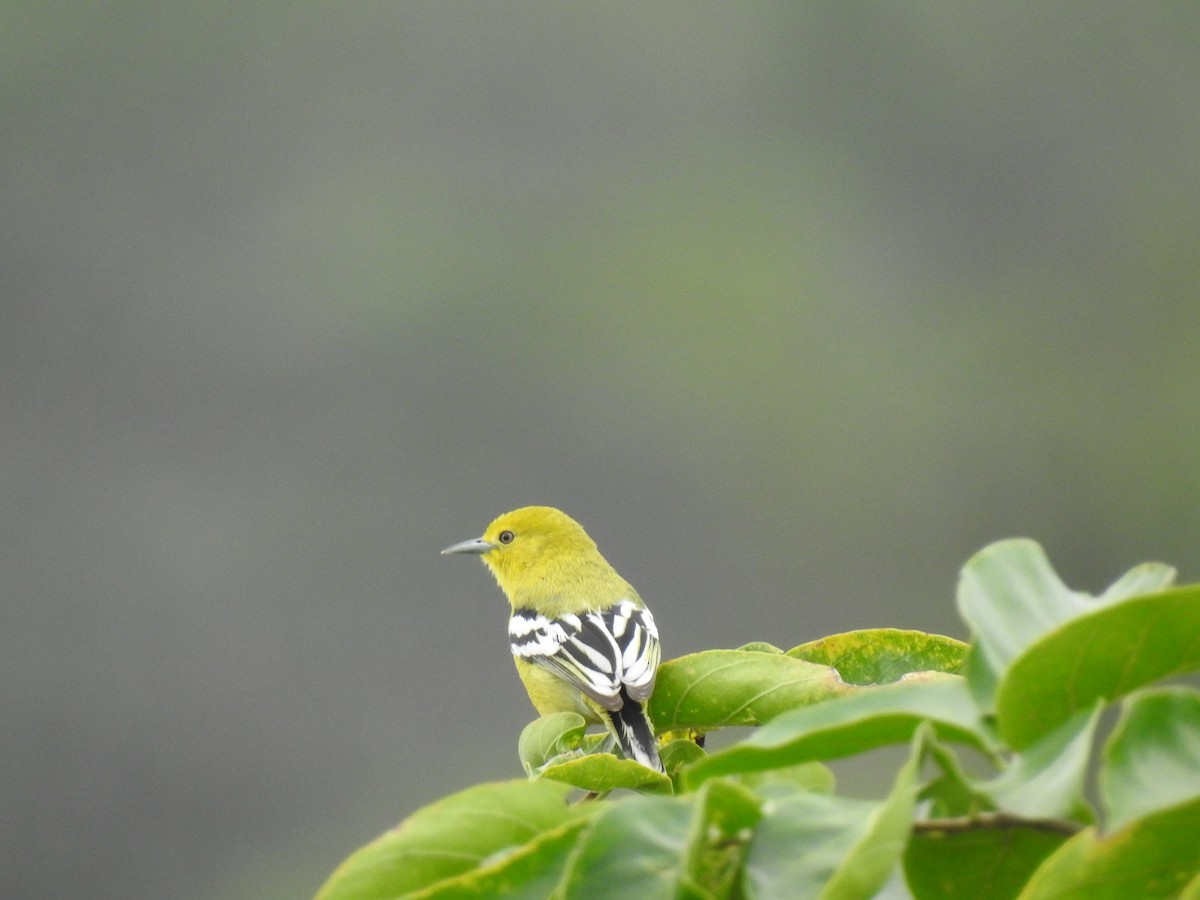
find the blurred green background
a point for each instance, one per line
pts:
(794, 306)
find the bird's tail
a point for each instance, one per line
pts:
(635, 734)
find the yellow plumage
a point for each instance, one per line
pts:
(549, 693)
(582, 638)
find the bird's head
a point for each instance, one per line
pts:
(526, 545)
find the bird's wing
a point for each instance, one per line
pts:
(636, 635)
(598, 652)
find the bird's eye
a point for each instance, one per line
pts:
(506, 537)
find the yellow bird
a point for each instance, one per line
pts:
(582, 639)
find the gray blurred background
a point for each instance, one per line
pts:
(793, 306)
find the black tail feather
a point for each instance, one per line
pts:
(635, 734)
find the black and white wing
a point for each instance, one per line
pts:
(598, 652)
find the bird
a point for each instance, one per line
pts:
(582, 639)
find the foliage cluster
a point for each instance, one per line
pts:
(1062, 808)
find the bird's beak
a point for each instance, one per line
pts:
(475, 545)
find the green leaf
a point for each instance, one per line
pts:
(1152, 758)
(1105, 654)
(1153, 857)
(476, 829)
(603, 772)
(550, 736)
(1046, 780)
(1010, 596)
(869, 718)
(980, 863)
(815, 845)
(884, 655)
(1041, 652)
(635, 847)
(735, 687)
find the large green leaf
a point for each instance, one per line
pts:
(816, 845)
(869, 718)
(981, 863)
(1152, 758)
(1150, 858)
(1011, 597)
(635, 847)
(716, 688)
(1106, 653)
(884, 655)
(486, 827)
